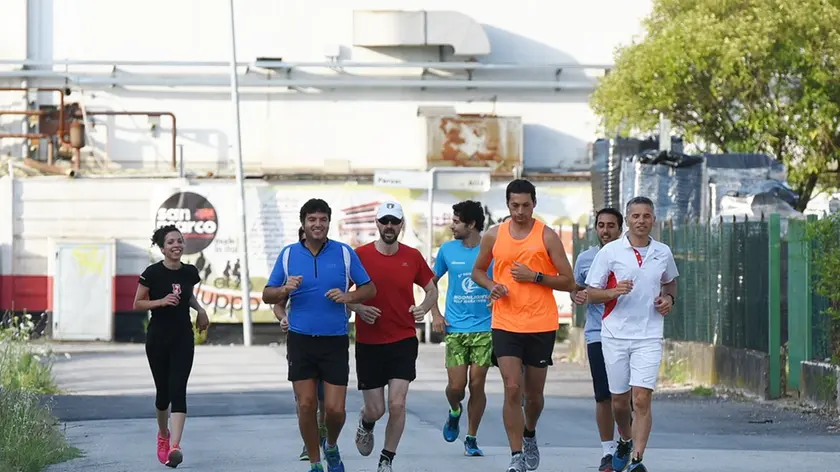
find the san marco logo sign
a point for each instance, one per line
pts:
(194, 216)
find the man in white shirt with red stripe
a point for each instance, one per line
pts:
(635, 277)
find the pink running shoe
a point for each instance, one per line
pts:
(175, 456)
(162, 448)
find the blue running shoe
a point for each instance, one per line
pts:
(637, 467)
(333, 457)
(622, 455)
(452, 427)
(471, 447)
(316, 467)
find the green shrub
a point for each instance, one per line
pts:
(29, 439)
(824, 234)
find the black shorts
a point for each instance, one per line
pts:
(598, 369)
(534, 349)
(376, 364)
(318, 357)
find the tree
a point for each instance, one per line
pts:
(736, 76)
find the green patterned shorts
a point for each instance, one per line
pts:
(469, 348)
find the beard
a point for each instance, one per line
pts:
(388, 236)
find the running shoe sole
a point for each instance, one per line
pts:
(175, 458)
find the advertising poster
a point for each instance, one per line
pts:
(209, 217)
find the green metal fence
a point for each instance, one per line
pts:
(723, 284)
(820, 329)
(743, 285)
(808, 324)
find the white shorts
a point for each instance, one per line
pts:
(631, 363)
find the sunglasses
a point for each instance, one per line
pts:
(389, 220)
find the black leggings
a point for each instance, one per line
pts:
(171, 364)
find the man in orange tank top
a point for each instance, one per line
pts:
(530, 262)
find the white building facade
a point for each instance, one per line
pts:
(330, 93)
(350, 123)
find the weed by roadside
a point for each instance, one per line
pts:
(29, 437)
(702, 391)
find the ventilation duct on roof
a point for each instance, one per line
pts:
(391, 28)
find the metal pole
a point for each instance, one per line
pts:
(774, 339)
(243, 226)
(430, 241)
(664, 133)
(181, 170)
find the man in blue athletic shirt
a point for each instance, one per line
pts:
(466, 323)
(315, 274)
(283, 317)
(608, 224)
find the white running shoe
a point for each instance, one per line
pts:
(517, 463)
(531, 453)
(364, 439)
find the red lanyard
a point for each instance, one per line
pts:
(638, 257)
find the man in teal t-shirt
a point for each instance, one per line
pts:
(466, 323)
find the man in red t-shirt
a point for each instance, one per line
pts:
(386, 338)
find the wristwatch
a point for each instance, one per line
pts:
(673, 300)
(539, 277)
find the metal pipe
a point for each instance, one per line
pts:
(247, 328)
(294, 65)
(205, 80)
(174, 147)
(11, 222)
(25, 135)
(22, 112)
(431, 242)
(140, 175)
(60, 93)
(51, 169)
(181, 171)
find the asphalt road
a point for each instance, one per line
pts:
(241, 417)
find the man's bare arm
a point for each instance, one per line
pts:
(670, 289)
(485, 256)
(279, 309)
(273, 295)
(564, 281)
(600, 295)
(431, 298)
(362, 294)
(435, 306)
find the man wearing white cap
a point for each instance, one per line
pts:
(386, 339)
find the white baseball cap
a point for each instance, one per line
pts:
(389, 208)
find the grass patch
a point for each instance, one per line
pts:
(562, 333)
(29, 437)
(702, 391)
(674, 370)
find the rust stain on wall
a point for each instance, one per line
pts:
(474, 141)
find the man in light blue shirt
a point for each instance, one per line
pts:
(466, 323)
(316, 274)
(608, 224)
